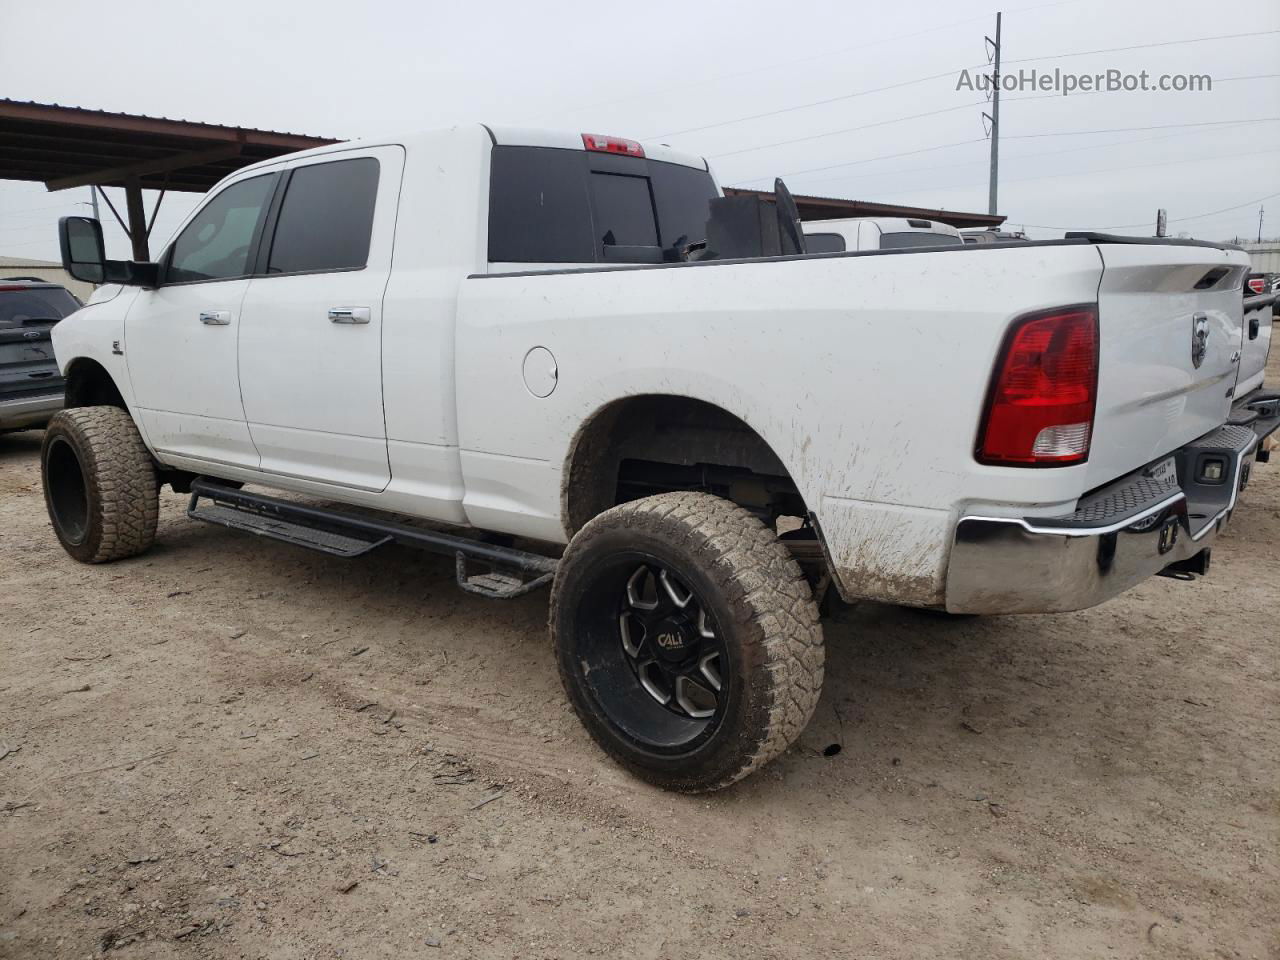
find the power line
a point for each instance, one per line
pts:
(1127, 167)
(833, 133)
(831, 53)
(1016, 156)
(47, 206)
(851, 163)
(949, 73)
(1109, 169)
(805, 106)
(1161, 126)
(1146, 46)
(1198, 216)
(1094, 93)
(1023, 136)
(808, 59)
(931, 113)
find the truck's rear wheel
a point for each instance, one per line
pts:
(99, 484)
(688, 639)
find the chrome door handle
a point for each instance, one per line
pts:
(348, 314)
(215, 318)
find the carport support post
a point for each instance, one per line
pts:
(137, 219)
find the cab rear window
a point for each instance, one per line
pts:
(551, 205)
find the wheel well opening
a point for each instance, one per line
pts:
(89, 385)
(650, 444)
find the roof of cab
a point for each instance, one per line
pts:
(500, 136)
(563, 140)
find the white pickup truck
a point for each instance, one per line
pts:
(512, 331)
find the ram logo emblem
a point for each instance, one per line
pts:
(1199, 339)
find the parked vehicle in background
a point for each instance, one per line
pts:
(30, 384)
(543, 359)
(992, 235)
(1260, 283)
(877, 233)
(1260, 302)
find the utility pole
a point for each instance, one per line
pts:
(994, 117)
(1260, 209)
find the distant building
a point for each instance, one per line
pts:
(43, 270)
(1265, 256)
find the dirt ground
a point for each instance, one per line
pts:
(235, 748)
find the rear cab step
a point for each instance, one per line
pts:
(507, 572)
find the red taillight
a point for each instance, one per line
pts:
(1258, 284)
(593, 141)
(1040, 410)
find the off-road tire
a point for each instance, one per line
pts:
(764, 607)
(100, 484)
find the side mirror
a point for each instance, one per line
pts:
(84, 255)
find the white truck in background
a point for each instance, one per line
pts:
(512, 331)
(877, 233)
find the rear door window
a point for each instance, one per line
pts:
(326, 218)
(539, 211)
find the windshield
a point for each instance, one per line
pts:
(38, 303)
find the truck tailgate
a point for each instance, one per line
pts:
(1171, 332)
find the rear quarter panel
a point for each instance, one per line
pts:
(865, 374)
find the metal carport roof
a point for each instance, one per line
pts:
(64, 147)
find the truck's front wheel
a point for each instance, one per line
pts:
(99, 484)
(688, 639)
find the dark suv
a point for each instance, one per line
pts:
(31, 388)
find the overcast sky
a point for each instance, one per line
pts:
(699, 76)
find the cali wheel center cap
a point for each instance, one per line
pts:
(671, 643)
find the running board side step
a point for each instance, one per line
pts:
(509, 573)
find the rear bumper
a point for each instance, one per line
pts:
(1119, 536)
(29, 411)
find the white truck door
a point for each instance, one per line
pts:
(311, 334)
(180, 339)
